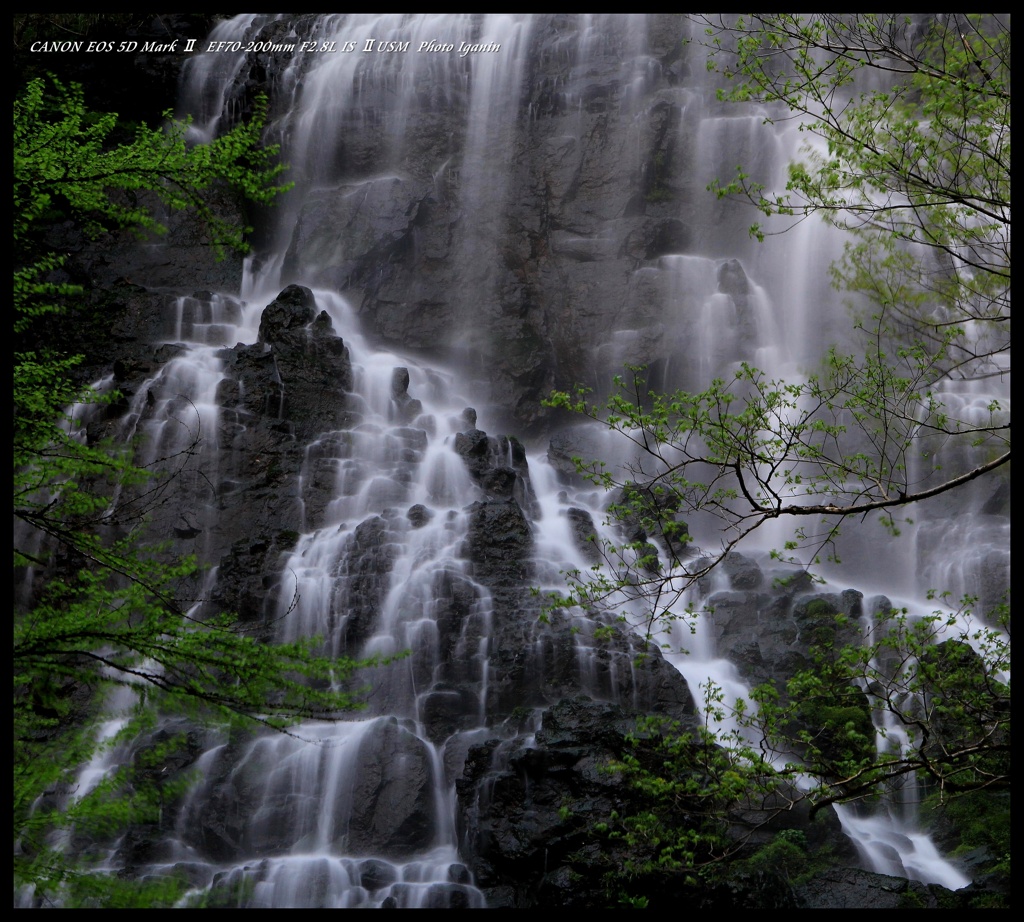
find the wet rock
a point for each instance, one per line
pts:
(499, 542)
(851, 888)
(392, 798)
(499, 482)
(293, 309)
(363, 574)
(499, 466)
(308, 373)
(419, 515)
(768, 627)
(372, 220)
(737, 571)
(584, 534)
(375, 874)
(528, 810)
(448, 896)
(447, 709)
(399, 382)
(998, 502)
(252, 806)
(565, 446)
(405, 407)
(475, 449)
(657, 237)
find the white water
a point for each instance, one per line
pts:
(299, 835)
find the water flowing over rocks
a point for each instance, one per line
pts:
(464, 230)
(768, 625)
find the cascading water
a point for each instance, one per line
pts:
(475, 227)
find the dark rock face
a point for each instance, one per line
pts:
(733, 281)
(644, 500)
(499, 543)
(310, 361)
(392, 806)
(850, 888)
(535, 664)
(496, 464)
(767, 623)
(524, 808)
(364, 579)
(566, 445)
(770, 627)
(406, 408)
(526, 811)
(253, 799)
(584, 534)
(278, 394)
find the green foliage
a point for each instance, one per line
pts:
(64, 166)
(751, 449)
(695, 782)
(933, 142)
(111, 622)
(708, 792)
(96, 631)
(975, 820)
(940, 683)
(786, 854)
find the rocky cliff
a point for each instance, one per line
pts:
(458, 227)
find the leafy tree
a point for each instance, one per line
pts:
(106, 617)
(696, 786)
(916, 170)
(942, 704)
(29, 27)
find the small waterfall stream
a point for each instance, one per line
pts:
(377, 783)
(416, 159)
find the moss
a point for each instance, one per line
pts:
(990, 901)
(658, 191)
(975, 820)
(658, 194)
(911, 899)
(838, 721)
(287, 539)
(788, 855)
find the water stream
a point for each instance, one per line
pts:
(363, 812)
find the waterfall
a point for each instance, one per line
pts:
(485, 207)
